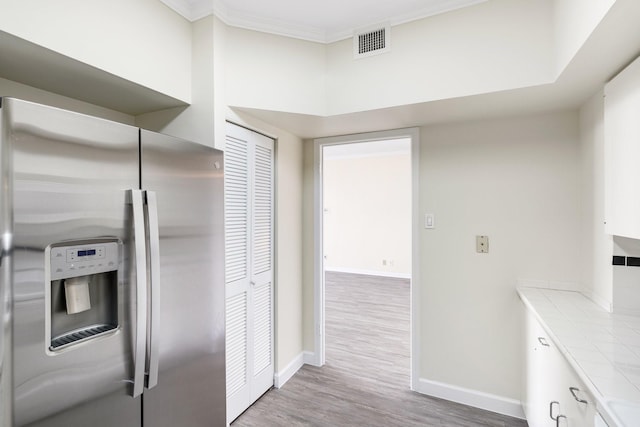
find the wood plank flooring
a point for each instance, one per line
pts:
(365, 381)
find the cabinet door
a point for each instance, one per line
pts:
(552, 387)
(578, 404)
(539, 378)
(622, 150)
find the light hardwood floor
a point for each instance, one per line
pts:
(365, 381)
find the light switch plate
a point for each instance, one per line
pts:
(482, 244)
(429, 220)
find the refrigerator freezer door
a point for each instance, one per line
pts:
(6, 272)
(71, 173)
(188, 181)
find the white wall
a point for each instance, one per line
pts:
(367, 205)
(219, 81)
(496, 45)
(597, 246)
(195, 122)
(516, 180)
(573, 22)
(142, 41)
(288, 249)
(308, 247)
(274, 73)
(505, 44)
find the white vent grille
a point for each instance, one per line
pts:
(371, 41)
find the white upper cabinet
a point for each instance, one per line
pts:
(622, 153)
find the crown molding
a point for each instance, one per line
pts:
(263, 24)
(223, 9)
(235, 18)
(191, 10)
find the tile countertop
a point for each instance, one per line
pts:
(603, 348)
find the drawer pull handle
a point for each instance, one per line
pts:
(574, 392)
(558, 420)
(551, 410)
(543, 341)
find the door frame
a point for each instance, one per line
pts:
(413, 134)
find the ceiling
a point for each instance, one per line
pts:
(323, 21)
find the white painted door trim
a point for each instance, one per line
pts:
(318, 263)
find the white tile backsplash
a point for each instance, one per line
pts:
(626, 279)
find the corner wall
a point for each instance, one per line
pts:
(573, 23)
(597, 245)
(516, 180)
(195, 122)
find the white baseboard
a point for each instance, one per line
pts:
(309, 358)
(280, 378)
(369, 272)
(477, 399)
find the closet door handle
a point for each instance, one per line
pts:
(558, 420)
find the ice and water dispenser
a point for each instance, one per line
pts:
(82, 296)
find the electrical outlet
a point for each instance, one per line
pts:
(482, 244)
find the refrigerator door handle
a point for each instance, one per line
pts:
(141, 292)
(154, 313)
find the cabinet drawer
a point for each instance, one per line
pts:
(578, 403)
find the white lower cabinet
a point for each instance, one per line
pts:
(553, 393)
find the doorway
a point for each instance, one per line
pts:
(364, 221)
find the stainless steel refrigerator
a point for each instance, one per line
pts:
(111, 274)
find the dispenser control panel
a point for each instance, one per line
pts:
(85, 254)
(82, 260)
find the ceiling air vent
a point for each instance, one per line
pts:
(371, 41)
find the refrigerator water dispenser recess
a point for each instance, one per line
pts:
(82, 291)
(76, 293)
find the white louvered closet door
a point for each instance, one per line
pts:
(249, 267)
